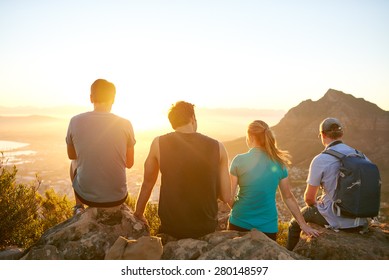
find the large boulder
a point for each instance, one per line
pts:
(12, 253)
(145, 248)
(346, 244)
(88, 235)
(228, 245)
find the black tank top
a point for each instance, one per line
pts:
(189, 164)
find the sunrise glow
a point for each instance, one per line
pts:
(254, 54)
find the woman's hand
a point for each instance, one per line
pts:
(311, 232)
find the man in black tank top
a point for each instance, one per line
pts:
(194, 174)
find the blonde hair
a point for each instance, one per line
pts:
(262, 133)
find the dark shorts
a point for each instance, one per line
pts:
(101, 204)
(234, 227)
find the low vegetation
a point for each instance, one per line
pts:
(25, 214)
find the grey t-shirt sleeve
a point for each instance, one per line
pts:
(68, 137)
(131, 135)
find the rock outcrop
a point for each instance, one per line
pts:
(346, 245)
(11, 254)
(228, 245)
(88, 236)
(114, 234)
(145, 248)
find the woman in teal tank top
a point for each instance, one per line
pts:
(255, 177)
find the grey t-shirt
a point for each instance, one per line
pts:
(100, 140)
(324, 171)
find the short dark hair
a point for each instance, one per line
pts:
(103, 91)
(333, 134)
(180, 113)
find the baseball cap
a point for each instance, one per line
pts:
(331, 124)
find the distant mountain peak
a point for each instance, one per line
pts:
(366, 125)
(341, 101)
(333, 95)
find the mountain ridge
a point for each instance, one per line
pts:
(356, 114)
(365, 124)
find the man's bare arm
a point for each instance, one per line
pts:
(310, 195)
(225, 182)
(130, 157)
(151, 170)
(234, 187)
(71, 152)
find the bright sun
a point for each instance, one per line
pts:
(142, 117)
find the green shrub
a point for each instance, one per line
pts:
(151, 215)
(24, 213)
(19, 205)
(282, 234)
(54, 209)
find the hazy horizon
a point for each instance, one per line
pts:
(227, 119)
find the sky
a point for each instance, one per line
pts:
(230, 54)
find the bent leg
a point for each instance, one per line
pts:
(311, 215)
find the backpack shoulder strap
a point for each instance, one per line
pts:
(334, 153)
(360, 154)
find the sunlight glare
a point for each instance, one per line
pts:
(144, 115)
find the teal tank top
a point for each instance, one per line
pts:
(258, 179)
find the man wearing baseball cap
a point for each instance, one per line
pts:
(323, 173)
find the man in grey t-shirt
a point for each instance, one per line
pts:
(323, 173)
(101, 146)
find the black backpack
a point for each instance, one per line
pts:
(358, 189)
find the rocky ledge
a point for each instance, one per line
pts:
(114, 233)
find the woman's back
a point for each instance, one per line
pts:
(258, 179)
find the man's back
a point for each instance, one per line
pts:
(189, 164)
(100, 140)
(325, 168)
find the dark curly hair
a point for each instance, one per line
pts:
(180, 113)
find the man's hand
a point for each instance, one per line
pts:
(141, 218)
